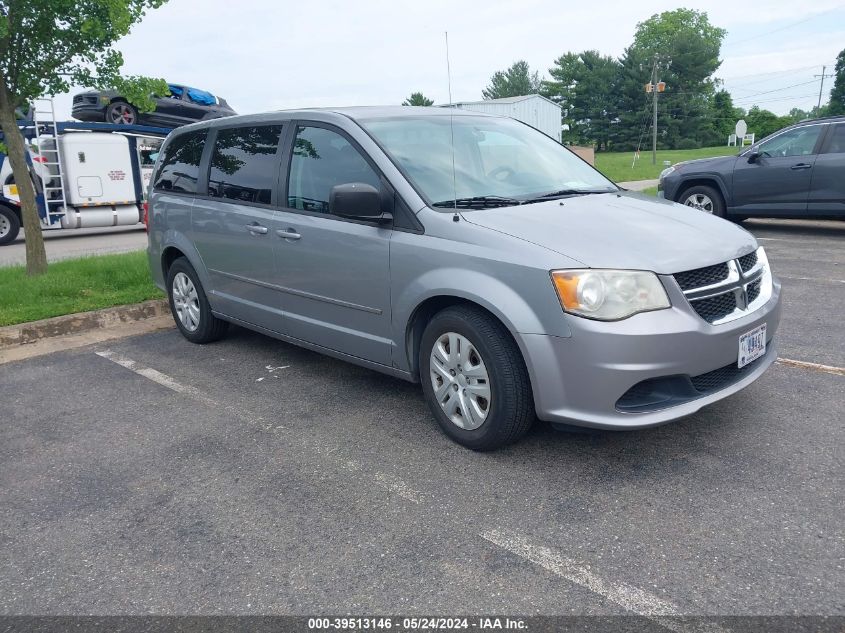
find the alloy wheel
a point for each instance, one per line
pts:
(186, 302)
(5, 226)
(122, 113)
(460, 381)
(700, 201)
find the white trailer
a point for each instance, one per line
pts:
(535, 110)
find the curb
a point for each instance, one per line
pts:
(24, 333)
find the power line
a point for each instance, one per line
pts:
(788, 26)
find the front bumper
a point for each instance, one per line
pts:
(580, 379)
(93, 113)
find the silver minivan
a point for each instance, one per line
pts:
(468, 252)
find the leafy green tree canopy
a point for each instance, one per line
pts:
(516, 81)
(417, 99)
(46, 46)
(837, 95)
(584, 85)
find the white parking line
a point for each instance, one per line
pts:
(833, 281)
(156, 376)
(631, 598)
(828, 369)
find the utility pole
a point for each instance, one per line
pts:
(654, 119)
(654, 87)
(821, 88)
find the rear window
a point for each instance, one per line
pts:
(180, 166)
(243, 165)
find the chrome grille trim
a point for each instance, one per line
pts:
(751, 289)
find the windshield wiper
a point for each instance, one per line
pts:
(478, 202)
(564, 193)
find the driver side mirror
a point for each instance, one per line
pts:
(358, 201)
(755, 155)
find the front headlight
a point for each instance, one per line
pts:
(609, 295)
(666, 172)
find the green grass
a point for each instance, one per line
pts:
(617, 165)
(75, 285)
(650, 191)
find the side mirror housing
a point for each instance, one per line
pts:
(356, 200)
(754, 156)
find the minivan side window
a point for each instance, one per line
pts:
(798, 142)
(836, 145)
(244, 165)
(322, 159)
(180, 165)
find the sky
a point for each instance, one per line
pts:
(265, 55)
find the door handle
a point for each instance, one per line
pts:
(801, 166)
(256, 229)
(288, 234)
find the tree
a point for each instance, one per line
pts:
(837, 95)
(763, 122)
(45, 47)
(417, 99)
(515, 81)
(685, 48)
(584, 84)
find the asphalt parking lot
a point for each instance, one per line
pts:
(148, 475)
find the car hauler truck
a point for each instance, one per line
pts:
(85, 174)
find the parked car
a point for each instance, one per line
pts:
(467, 252)
(798, 172)
(183, 105)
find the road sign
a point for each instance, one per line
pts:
(741, 128)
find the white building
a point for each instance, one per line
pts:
(535, 110)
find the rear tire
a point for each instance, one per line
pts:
(463, 349)
(704, 198)
(10, 226)
(189, 305)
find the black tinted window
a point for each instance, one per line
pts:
(322, 159)
(243, 165)
(836, 145)
(179, 170)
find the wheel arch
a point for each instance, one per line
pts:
(703, 181)
(430, 306)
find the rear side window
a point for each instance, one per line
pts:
(180, 165)
(836, 145)
(244, 164)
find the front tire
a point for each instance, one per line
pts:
(474, 379)
(189, 305)
(10, 226)
(705, 199)
(121, 113)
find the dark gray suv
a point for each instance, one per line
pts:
(798, 172)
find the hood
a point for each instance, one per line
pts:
(714, 163)
(625, 230)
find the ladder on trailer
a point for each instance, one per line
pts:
(46, 129)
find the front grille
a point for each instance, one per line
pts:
(699, 277)
(747, 262)
(753, 290)
(714, 308)
(81, 99)
(721, 378)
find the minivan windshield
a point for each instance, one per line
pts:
(497, 161)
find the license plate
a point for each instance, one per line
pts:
(752, 345)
